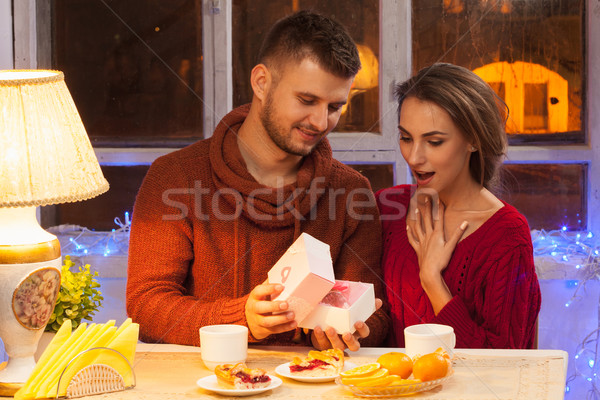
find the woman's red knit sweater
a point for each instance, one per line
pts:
(491, 275)
(205, 233)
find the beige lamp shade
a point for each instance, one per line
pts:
(45, 153)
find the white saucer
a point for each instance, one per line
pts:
(284, 370)
(210, 383)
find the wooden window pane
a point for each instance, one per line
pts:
(100, 212)
(549, 195)
(380, 176)
(134, 68)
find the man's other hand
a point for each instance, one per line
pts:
(328, 338)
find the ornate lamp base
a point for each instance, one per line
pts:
(9, 389)
(29, 285)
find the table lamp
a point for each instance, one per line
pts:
(45, 158)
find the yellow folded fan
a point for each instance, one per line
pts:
(67, 347)
(52, 378)
(81, 362)
(125, 343)
(49, 359)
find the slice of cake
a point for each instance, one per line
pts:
(318, 363)
(239, 376)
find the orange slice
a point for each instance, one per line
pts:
(355, 380)
(382, 381)
(361, 370)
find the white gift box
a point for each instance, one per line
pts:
(306, 272)
(359, 304)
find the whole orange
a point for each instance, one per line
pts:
(397, 363)
(430, 366)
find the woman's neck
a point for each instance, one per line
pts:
(467, 197)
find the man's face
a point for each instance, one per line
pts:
(303, 106)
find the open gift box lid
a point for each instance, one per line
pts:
(306, 272)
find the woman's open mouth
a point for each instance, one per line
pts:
(423, 178)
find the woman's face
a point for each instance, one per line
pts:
(434, 148)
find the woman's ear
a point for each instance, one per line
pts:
(260, 79)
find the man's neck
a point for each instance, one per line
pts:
(266, 162)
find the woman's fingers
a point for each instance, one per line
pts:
(439, 224)
(418, 225)
(426, 216)
(457, 235)
(413, 229)
(411, 238)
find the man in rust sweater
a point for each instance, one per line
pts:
(210, 220)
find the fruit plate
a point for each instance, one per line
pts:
(394, 390)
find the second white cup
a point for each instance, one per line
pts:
(426, 338)
(223, 344)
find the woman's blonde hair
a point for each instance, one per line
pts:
(473, 106)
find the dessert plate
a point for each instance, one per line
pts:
(284, 370)
(210, 383)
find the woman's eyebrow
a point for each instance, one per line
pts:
(404, 130)
(427, 134)
(433, 133)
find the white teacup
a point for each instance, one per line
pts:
(426, 338)
(223, 344)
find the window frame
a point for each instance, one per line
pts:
(31, 22)
(6, 35)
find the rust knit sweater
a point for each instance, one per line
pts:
(205, 233)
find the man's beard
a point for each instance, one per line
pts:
(277, 133)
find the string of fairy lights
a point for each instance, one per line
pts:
(581, 249)
(76, 240)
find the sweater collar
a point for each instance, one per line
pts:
(265, 205)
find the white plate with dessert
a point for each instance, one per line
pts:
(318, 366)
(239, 380)
(210, 383)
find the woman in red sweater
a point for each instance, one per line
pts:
(454, 253)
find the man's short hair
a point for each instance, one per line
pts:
(306, 34)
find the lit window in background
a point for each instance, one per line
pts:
(530, 52)
(361, 17)
(535, 96)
